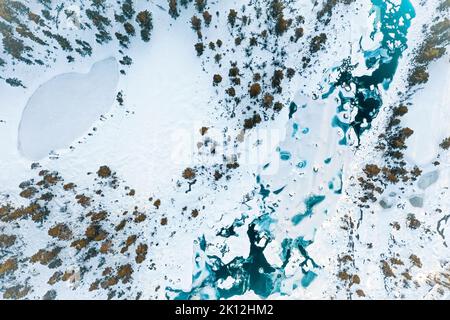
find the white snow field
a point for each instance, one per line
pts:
(63, 108)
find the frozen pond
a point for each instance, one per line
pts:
(65, 107)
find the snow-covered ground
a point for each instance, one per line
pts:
(430, 105)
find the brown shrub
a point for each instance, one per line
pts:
(282, 25)
(69, 186)
(199, 47)
(79, 244)
(255, 90)
(445, 144)
(28, 193)
(124, 273)
(141, 252)
(413, 223)
(252, 122)
(188, 174)
(104, 172)
(387, 270)
(400, 111)
(415, 260)
(372, 170)
(196, 23)
(207, 17)
(7, 241)
(418, 75)
(232, 14)
(16, 292)
(99, 216)
(267, 100)
(194, 213)
(95, 233)
(317, 42)
(298, 33)
(44, 257)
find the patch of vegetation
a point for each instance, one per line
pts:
(328, 7)
(199, 47)
(433, 48)
(7, 241)
(100, 22)
(249, 123)
(145, 21)
(85, 48)
(60, 231)
(104, 172)
(317, 42)
(189, 174)
(173, 10)
(14, 82)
